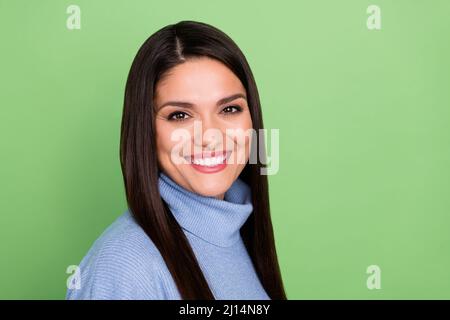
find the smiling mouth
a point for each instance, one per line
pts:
(209, 159)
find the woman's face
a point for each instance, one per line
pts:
(196, 128)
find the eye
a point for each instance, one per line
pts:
(229, 109)
(177, 116)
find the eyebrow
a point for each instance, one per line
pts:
(184, 104)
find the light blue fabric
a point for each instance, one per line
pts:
(123, 263)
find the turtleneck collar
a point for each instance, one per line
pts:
(213, 220)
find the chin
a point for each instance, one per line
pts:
(211, 186)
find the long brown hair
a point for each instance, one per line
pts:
(163, 50)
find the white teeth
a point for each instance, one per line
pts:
(209, 161)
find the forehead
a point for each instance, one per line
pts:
(199, 80)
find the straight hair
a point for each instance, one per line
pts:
(168, 47)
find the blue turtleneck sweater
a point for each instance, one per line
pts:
(123, 263)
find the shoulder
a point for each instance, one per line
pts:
(123, 263)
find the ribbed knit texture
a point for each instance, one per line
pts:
(123, 263)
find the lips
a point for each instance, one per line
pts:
(209, 162)
(209, 158)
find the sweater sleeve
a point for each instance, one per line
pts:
(119, 266)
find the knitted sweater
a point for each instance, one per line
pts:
(124, 263)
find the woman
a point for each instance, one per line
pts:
(198, 224)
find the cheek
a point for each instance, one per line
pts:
(249, 130)
(241, 138)
(164, 143)
(172, 144)
(245, 125)
(243, 122)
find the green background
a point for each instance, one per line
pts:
(364, 125)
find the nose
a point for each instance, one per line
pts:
(208, 133)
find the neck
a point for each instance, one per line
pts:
(213, 219)
(220, 196)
